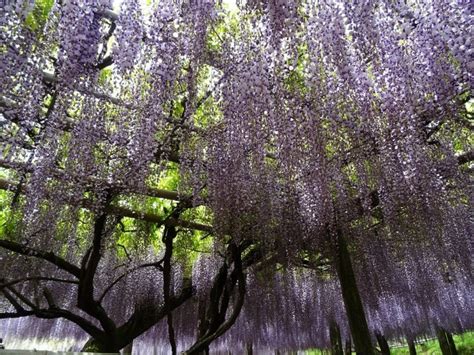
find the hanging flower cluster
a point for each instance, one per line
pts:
(291, 121)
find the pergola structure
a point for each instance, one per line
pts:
(182, 161)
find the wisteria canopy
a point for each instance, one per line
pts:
(198, 175)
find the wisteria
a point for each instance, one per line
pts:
(200, 176)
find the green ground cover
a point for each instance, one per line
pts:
(464, 345)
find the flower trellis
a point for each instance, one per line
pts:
(183, 161)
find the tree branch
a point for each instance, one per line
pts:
(36, 278)
(117, 280)
(168, 236)
(142, 320)
(90, 262)
(18, 307)
(466, 157)
(51, 313)
(22, 298)
(8, 315)
(239, 275)
(48, 256)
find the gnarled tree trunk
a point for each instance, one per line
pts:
(411, 347)
(348, 347)
(335, 336)
(128, 349)
(99, 346)
(384, 348)
(446, 342)
(224, 286)
(352, 301)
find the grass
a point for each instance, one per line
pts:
(464, 345)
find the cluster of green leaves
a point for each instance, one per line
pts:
(7, 219)
(36, 19)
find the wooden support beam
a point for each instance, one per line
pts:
(125, 211)
(121, 188)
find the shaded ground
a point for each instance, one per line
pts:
(464, 345)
